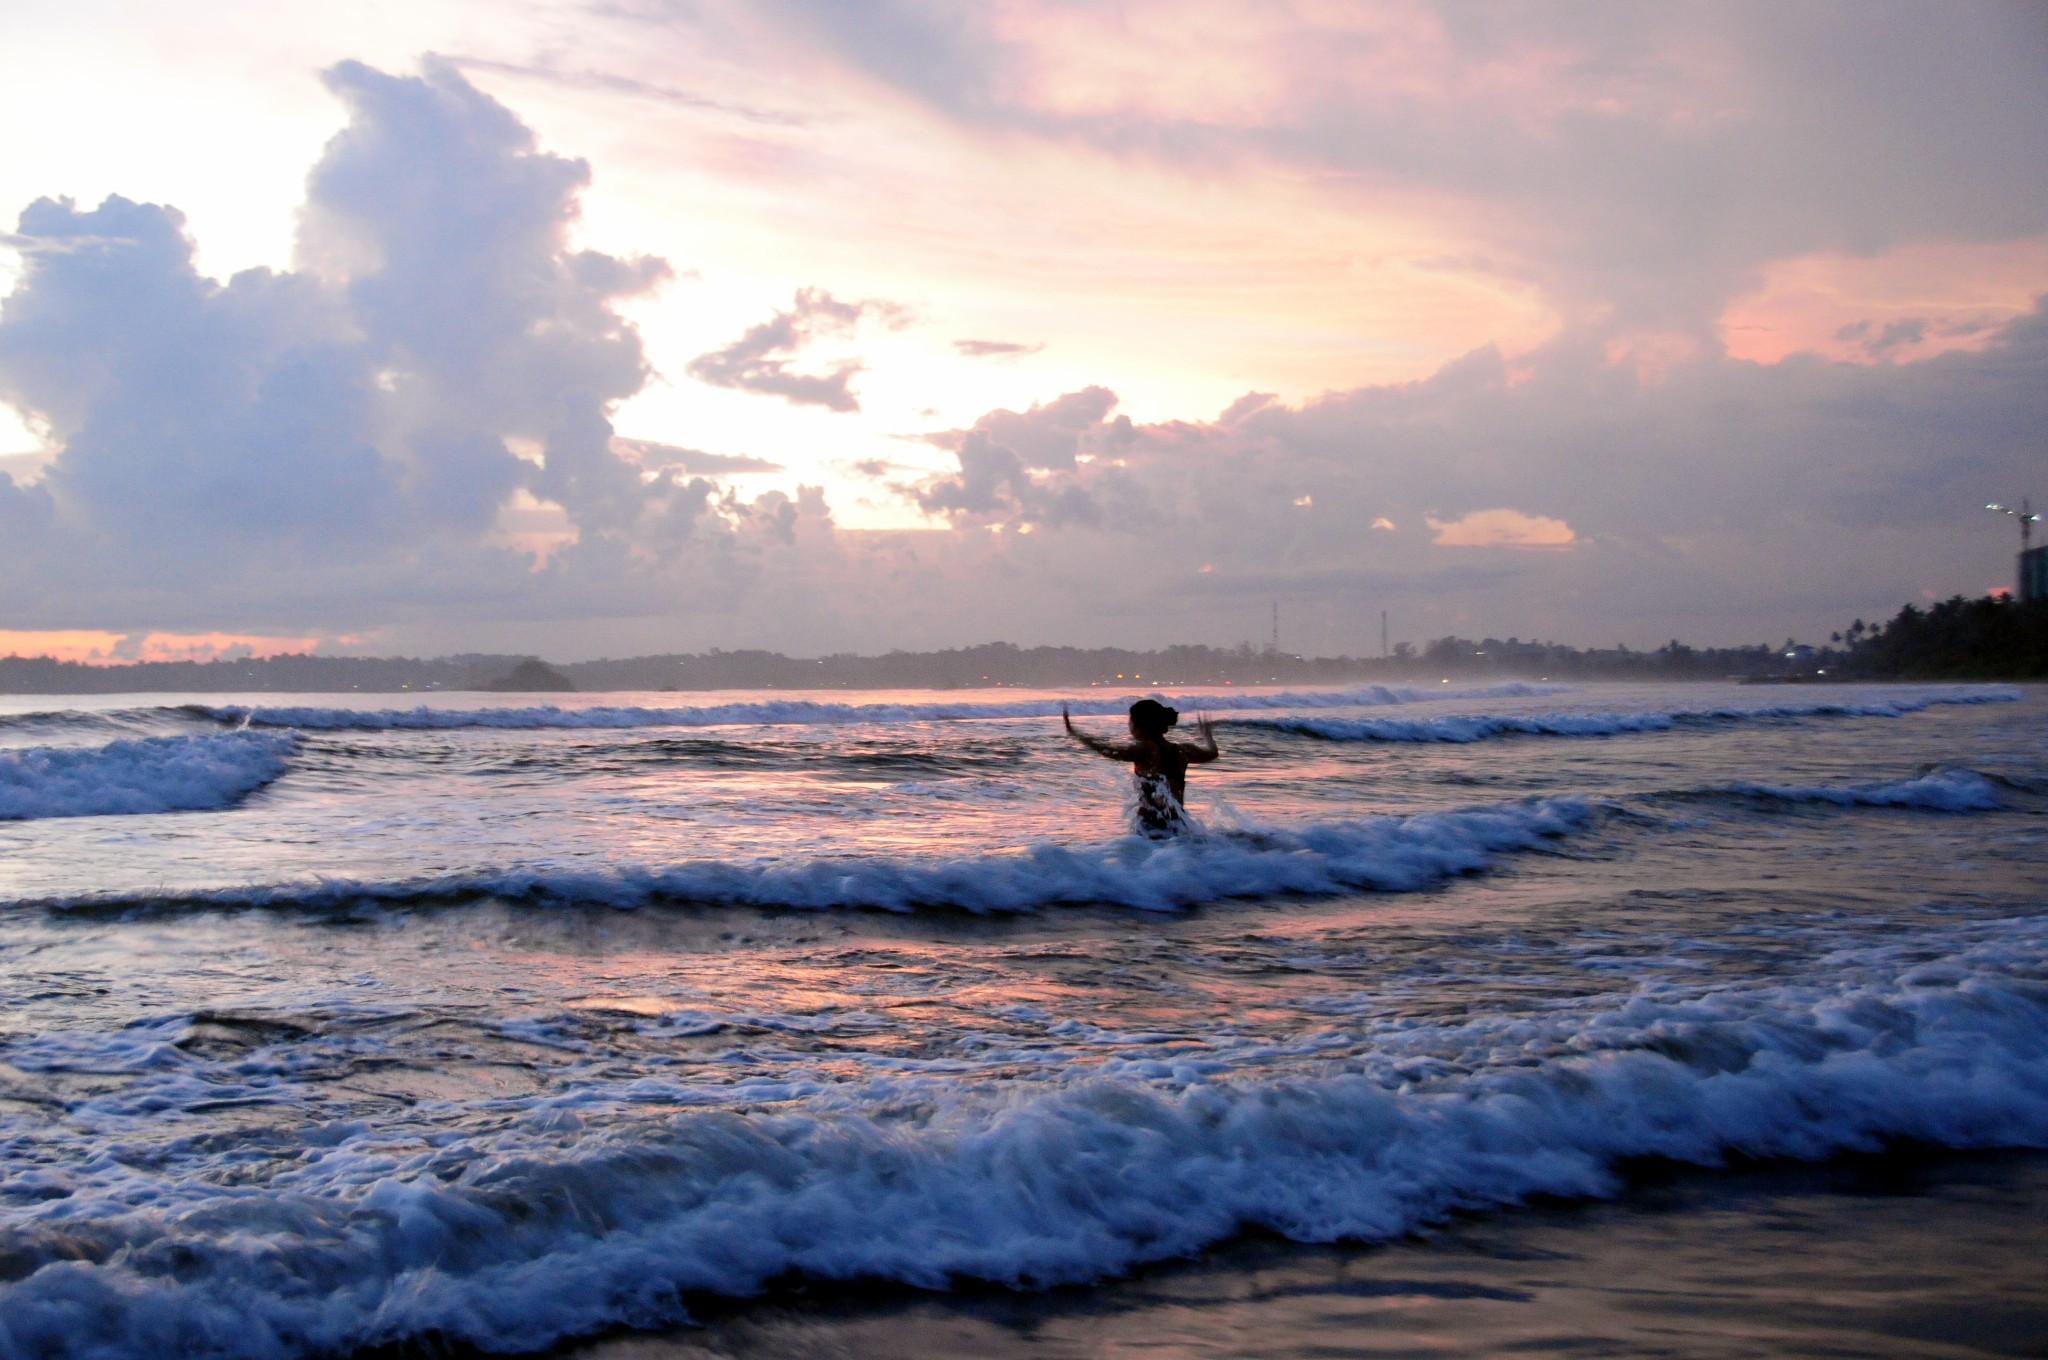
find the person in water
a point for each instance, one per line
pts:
(1159, 765)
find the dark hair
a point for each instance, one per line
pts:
(1151, 718)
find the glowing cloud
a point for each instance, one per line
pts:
(1502, 528)
(96, 647)
(1910, 303)
(1458, 257)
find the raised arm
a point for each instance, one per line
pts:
(1203, 749)
(1110, 749)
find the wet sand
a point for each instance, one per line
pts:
(1901, 1255)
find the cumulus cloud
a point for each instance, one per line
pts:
(761, 360)
(339, 443)
(25, 511)
(1022, 466)
(391, 432)
(1723, 493)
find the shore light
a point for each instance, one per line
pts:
(2025, 515)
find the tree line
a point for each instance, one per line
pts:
(1993, 638)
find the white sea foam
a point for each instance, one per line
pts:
(530, 1229)
(149, 774)
(1471, 727)
(1387, 854)
(797, 711)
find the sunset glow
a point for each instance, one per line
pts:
(1331, 269)
(1023, 678)
(99, 648)
(1910, 303)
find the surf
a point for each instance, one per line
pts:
(140, 776)
(544, 1223)
(1379, 853)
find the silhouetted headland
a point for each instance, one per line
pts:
(532, 676)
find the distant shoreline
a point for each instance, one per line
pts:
(997, 666)
(1958, 640)
(225, 685)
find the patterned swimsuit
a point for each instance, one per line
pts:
(1155, 812)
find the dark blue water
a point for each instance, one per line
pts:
(331, 1027)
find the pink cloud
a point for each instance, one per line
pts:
(1502, 528)
(1910, 303)
(97, 647)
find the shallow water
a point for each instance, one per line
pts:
(497, 1023)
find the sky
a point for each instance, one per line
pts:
(844, 325)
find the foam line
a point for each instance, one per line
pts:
(1387, 854)
(144, 775)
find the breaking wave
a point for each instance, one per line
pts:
(792, 711)
(1950, 790)
(144, 775)
(1386, 854)
(529, 1230)
(1471, 727)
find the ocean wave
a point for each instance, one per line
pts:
(1471, 727)
(799, 711)
(1385, 854)
(61, 719)
(527, 1231)
(144, 775)
(1949, 790)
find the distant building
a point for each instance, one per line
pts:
(2034, 575)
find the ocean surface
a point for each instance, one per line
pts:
(481, 1022)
